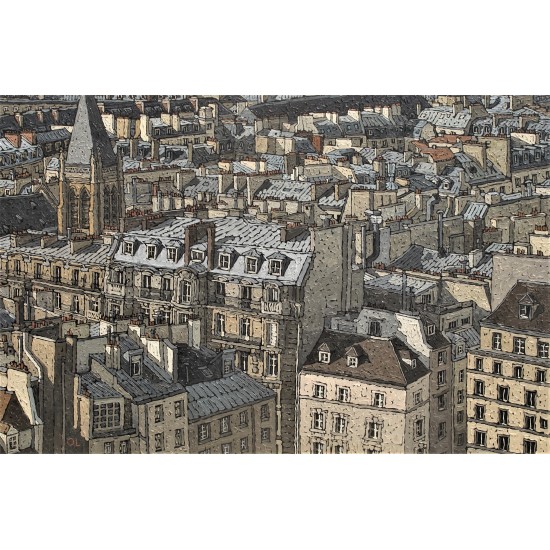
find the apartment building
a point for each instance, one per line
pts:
(362, 394)
(507, 378)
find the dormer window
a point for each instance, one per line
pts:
(525, 311)
(224, 261)
(172, 254)
(135, 366)
(251, 265)
(324, 357)
(151, 251)
(197, 255)
(430, 330)
(352, 361)
(128, 248)
(276, 267)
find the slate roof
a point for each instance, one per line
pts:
(285, 189)
(394, 283)
(225, 394)
(89, 136)
(52, 136)
(507, 313)
(95, 387)
(381, 360)
(425, 259)
(23, 212)
(475, 210)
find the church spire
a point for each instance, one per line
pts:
(89, 137)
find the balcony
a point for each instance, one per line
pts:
(116, 289)
(93, 315)
(272, 307)
(166, 295)
(149, 293)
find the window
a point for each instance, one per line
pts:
(178, 438)
(227, 366)
(244, 327)
(417, 397)
(166, 283)
(178, 409)
(529, 447)
(374, 430)
(343, 394)
(108, 448)
(460, 440)
(276, 267)
(542, 349)
(219, 324)
(480, 438)
(352, 361)
(224, 261)
(225, 425)
(264, 412)
(479, 387)
(480, 412)
(272, 294)
(375, 328)
(151, 251)
(146, 281)
(183, 318)
(461, 375)
(197, 255)
(460, 417)
(244, 444)
(497, 367)
(272, 334)
(124, 447)
(460, 396)
(118, 277)
(159, 442)
(93, 306)
(204, 432)
(379, 399)
(273, 364)
(172, 254)
(519, 346)
(540, 375)
(128, 248)
(543, 424)
(465, 321)
(441, 402)
(37, 271)
(530, 422)
(186, 291)
(318, 448)
(220, 288)
(503, 417)
(530, 398)
(318, 420)
(419, 427)
(503, 442)
(441, 377)
(243, 418)
(246, 293)
(430, 330)
(338, 449)
(442, 357)
(135, 366)
(17, 266)
(226, 449)
(452, 324)
(251, 265)
(319, 391)
(106, 415)
(340, 423)
(265, 435)
(159, 413)
(497, 341)
(525, 311)
(57, 300)
(243, 360)
(503, 393)
(518, 371)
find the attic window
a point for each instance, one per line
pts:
(197, 255)
(430, 330)
(128, 248)
(276, 267)
(525, 311)
(151, 251)
(135, 366)
(324, 357)
(224, 261)
(251, 265)
(172, 254)
(352, 361)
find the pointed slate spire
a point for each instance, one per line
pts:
(89, 136)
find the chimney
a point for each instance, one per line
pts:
(440, 246)
(155, 149)
(55, 115)
(210, 245)
(112, 351)
(40, 116)
(190, 152)
(404, 291)
(14, 138)
(474, 257)
(133, 148)
(19, 119)
(194, 333)
(19, 310)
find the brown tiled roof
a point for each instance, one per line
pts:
(437, 153)
(379, 362)
(452, 139)
(507, 313)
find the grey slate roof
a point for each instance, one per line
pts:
(475, 210)
(213, 397)
(22, 212)
(89, 136)
(394, 282)
(96, 388)
(424, 259)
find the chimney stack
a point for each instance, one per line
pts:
(440, 247)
